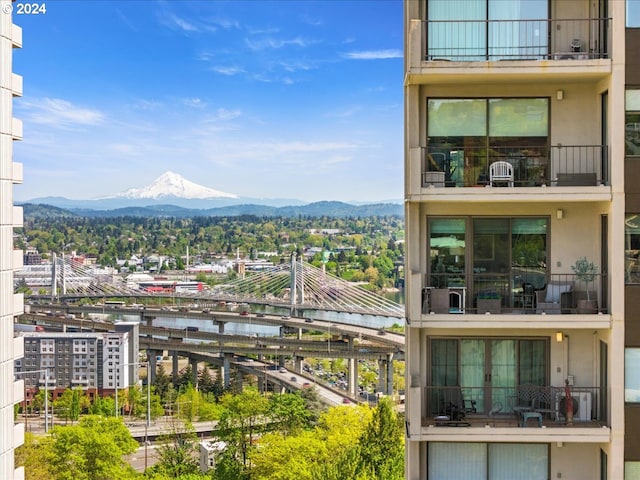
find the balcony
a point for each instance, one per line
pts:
(525, 166)
(499, 40)
(523, 291)
(522, 406)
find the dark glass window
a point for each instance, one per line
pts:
(632, 122)
(466, 135)
(632, 248)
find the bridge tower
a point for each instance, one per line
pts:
(63, 277)
(296, 283)
(57, 270)
(54, 276)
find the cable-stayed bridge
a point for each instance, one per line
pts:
(296, 285)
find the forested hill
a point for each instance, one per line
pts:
(317, 209)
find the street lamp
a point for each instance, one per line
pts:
(46, 395)
(117, 379)
(148, 422)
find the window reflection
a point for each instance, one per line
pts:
(632, 248)
(633, 13)
(466, 135)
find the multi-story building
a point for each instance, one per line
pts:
(519, 160)
(10, 217)
(95, 362)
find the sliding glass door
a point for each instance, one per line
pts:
(487, 370)
(487, 461)
(516, 29)
(472, 30)
(457, 30)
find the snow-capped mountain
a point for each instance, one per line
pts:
(171, 184)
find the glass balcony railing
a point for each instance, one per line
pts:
(516, 406)
(521, 291)
(515, 166)
(537, 39)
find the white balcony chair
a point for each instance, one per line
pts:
(501, 171)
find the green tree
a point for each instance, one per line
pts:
(313, 404)
(34, 455)
(104, 406)
(188, 403)
(70, 404)
(241, 420)
(94, 449)
(178, 453)
(205, 382)
(381, 444)
(38, 399)
(289, 412)
(141, 405)
(288, 458)
(162, 381)
(22, 287)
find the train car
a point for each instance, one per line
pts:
(22, 327)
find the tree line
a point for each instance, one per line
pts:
(263, 437)
(358, 249)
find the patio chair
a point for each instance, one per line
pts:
(525, 403)
(456, 407)
(556, 297)
(501, 171)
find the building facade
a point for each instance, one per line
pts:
(95, 362)
(11, 304)
(520, 296)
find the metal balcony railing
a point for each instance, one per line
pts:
(523, 290)
(536, 39)
(527, 166)
(516, 406)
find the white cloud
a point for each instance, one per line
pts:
(194, 103)
(230, 71)
(144, 105)
(374, 54)
(295, 66)
(224, 23)
(314, 22)
(224, 114)
(272, 43)
(60, 113)
(344, 113)
(125, 149)
(174, 22)
(125, 20)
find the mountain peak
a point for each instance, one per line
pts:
(171, 184)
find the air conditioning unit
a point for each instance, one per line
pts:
(582, 406)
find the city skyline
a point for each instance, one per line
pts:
(288, 99)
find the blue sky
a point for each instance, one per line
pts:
(287, 99)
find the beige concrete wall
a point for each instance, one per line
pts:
(574, 461)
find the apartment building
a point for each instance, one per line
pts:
(11, 304)
(521, 132)
(95, 362)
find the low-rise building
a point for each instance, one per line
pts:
(95, 362)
